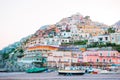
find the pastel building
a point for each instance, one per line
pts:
(94, 31)
(43, 48)
(98, 58)
(63, 58)
(36, 54)
(35, 41)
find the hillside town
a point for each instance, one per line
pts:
(73, 41)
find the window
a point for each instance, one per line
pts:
(110, 60)
(103, 60)
(100, 54)
(65, 40)
(106, 38)
(90, 60)
(114, 54)
(100, 39)
(108, 54)
(97, 60)
(81, 36)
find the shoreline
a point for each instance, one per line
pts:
(55, 76)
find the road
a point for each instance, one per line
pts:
(55, 76)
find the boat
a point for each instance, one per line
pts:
(109, 72)
(35, 70)
(3, 70)
(71, 71)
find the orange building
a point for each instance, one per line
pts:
(42, 48)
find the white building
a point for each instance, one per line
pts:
(65, 40)
(115, 38)
(65, 34)
(31, 56)
(102, 38)
(74, 32)
(84, 36)
(73, 29)
(53, 41)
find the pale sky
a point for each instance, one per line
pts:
(20, 18)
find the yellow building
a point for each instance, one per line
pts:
(93, 30)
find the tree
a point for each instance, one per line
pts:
(108, 44)
(117, 47)
(111, 30)
(80, 42)
(87, 17)
(5, 56)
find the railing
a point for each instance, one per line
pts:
(108, 56)
(92, 55)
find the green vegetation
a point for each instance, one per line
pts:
(117, 47)
(100, 45)
(111, 30)
(87, 17)
(5, 56)
(81, 42)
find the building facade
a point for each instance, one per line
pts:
(61, 59)
(101, 58)
(115, 38)
(99, 39)
(94, 31)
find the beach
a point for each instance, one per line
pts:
(55, 76)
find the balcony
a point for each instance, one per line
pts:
(108, 56)
(114, 56)
(102, 56)
(37, 61)
(118, 56)
(92, 55)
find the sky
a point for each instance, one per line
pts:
(20, 18)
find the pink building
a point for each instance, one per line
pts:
(103, 57)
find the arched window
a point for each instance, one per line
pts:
(97, 60)
(110, 60)
(114, 54)
(100, 54)
(103, 60)
(108, 54)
